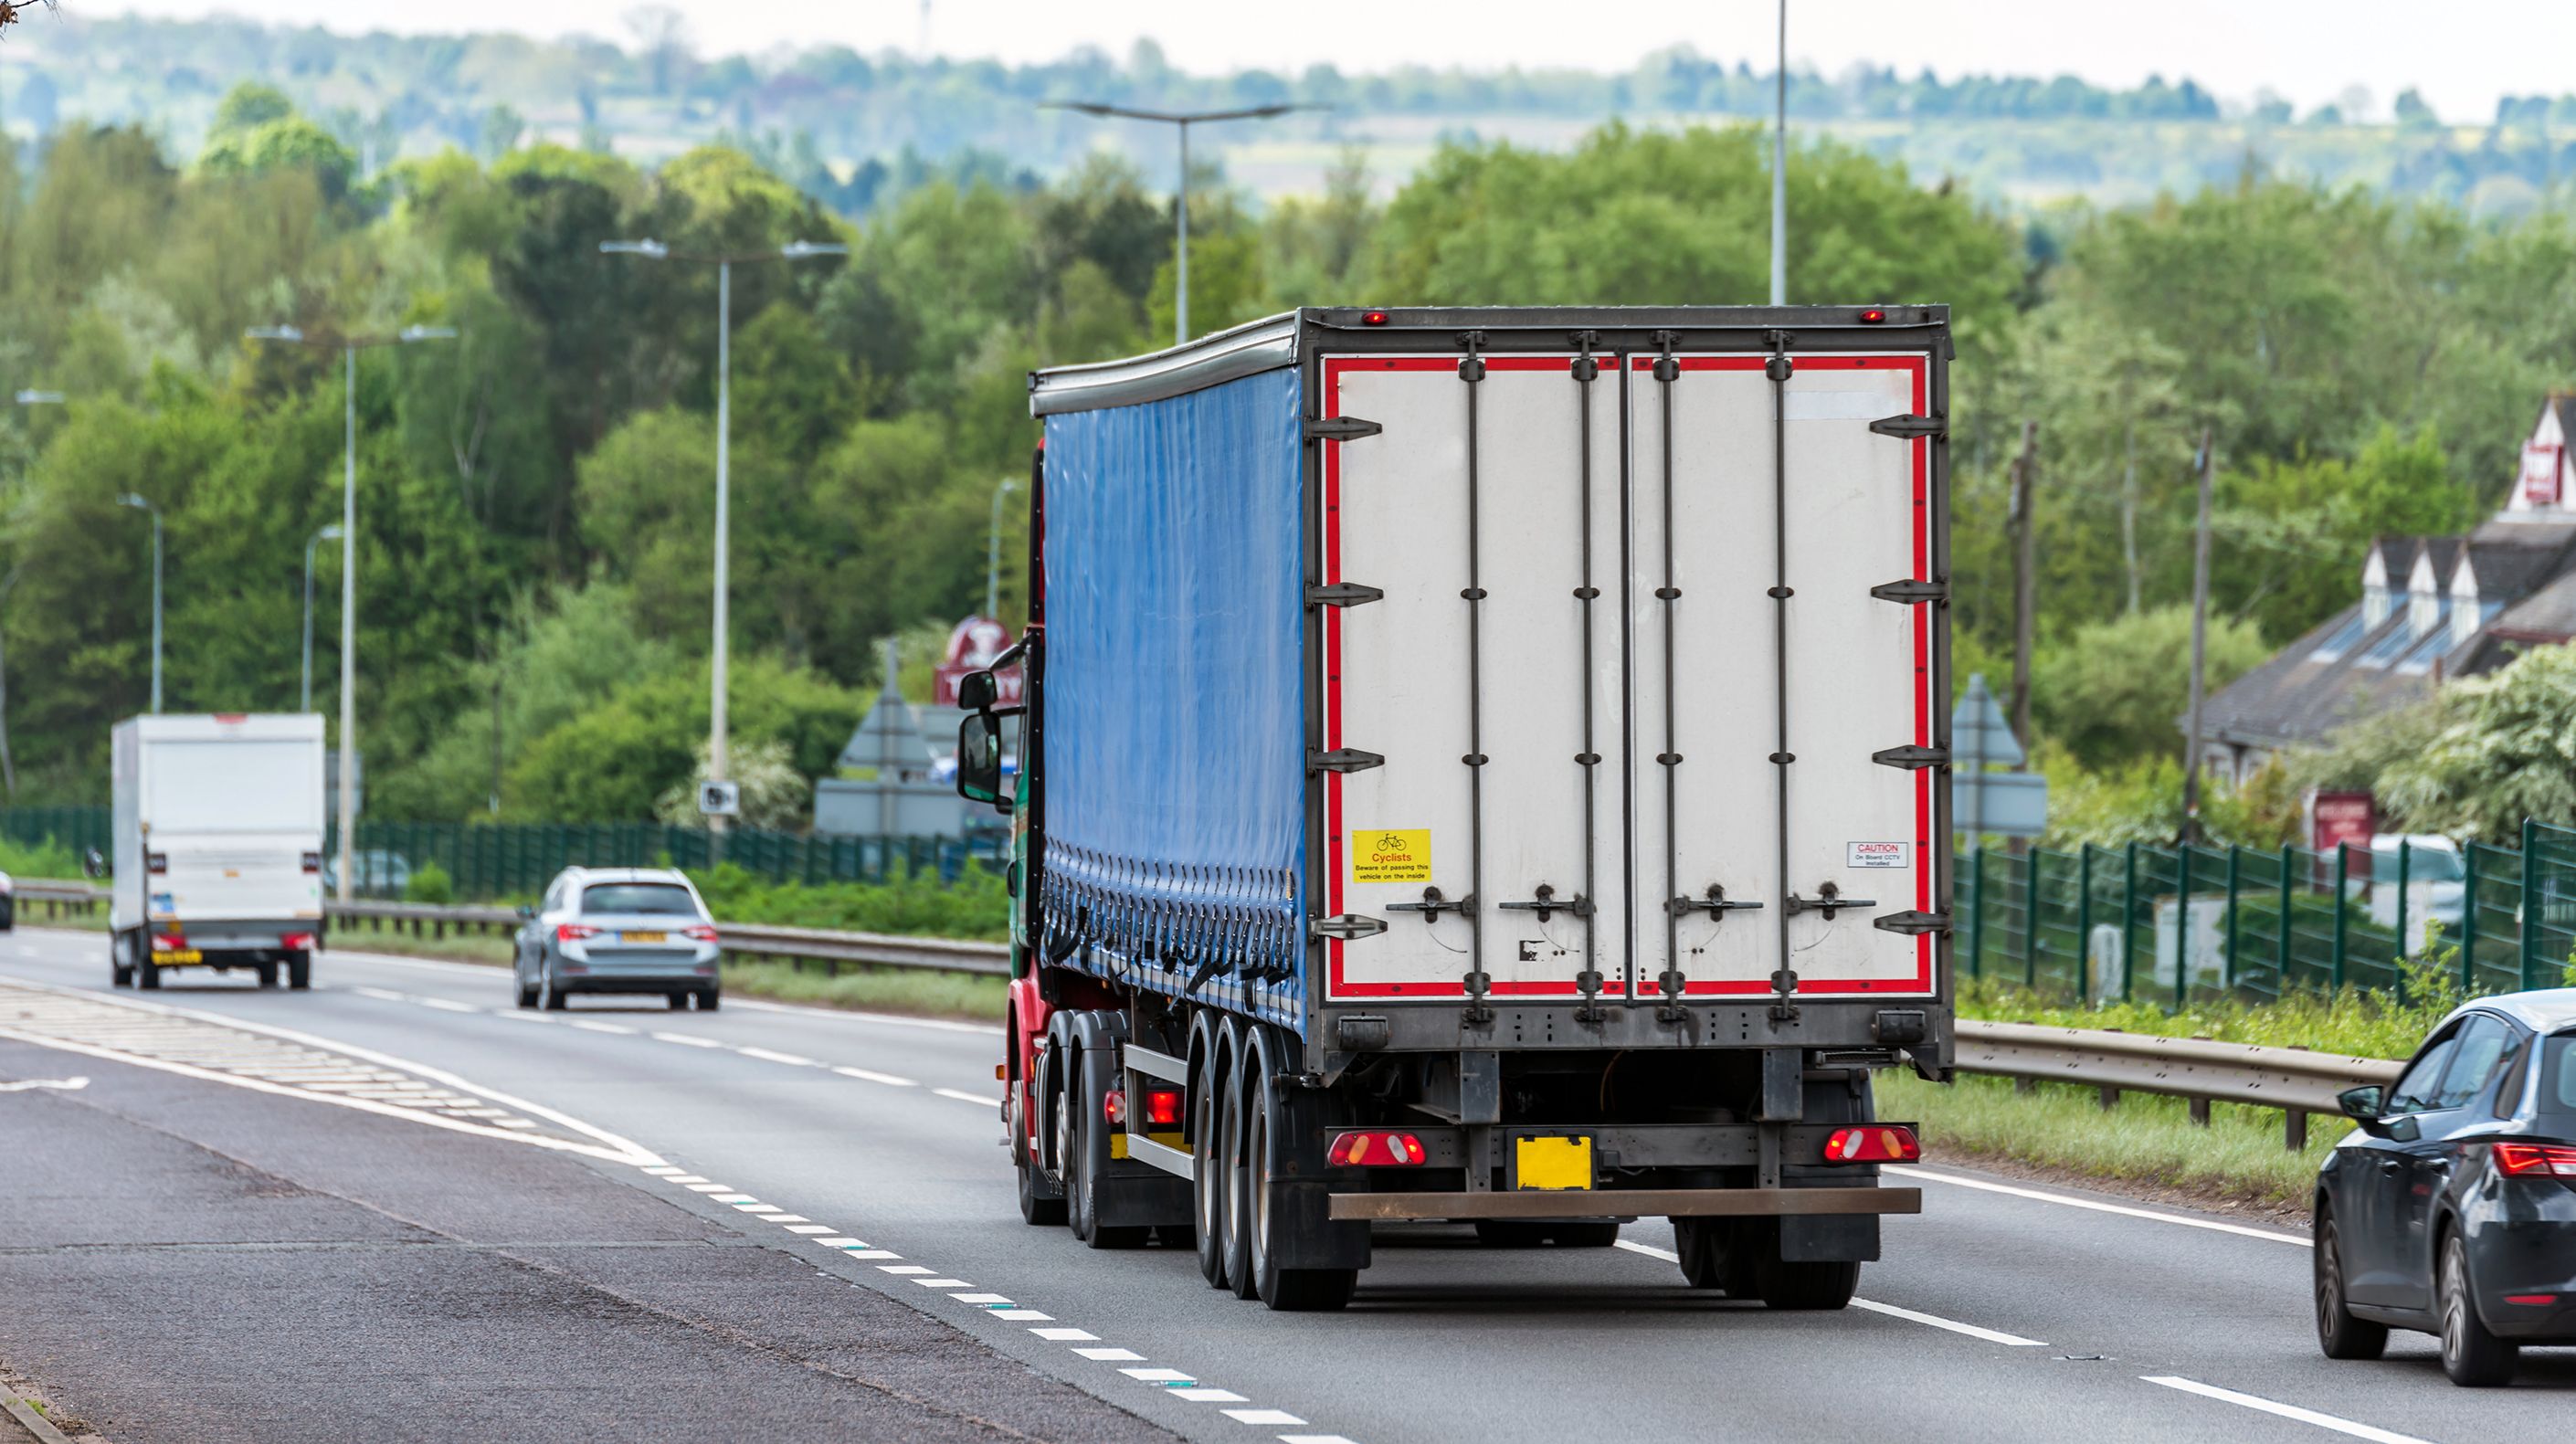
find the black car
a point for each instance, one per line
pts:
(2452, 1208)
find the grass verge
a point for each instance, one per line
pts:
(2147, 1143)
(915, 991)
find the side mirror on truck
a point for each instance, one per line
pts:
(976, 692)
(979, 758)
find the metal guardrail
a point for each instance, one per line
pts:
(2295, 1080)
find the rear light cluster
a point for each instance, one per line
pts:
(574, 932)
(313, 862)
(156, 863)
(169, 943)
(1363, 1150)
(1162, 1107)
(703, 932)
(298, 942)
(2535, 1160)
(1874, 1143)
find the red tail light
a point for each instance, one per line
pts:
(312, 862)
(702, 932)
(169, 943)
(1872, 1143)
(156, 862)
(2535, 1160)
(297, 942)
(1163, 1108)
(1371, 1150)
(574, 932)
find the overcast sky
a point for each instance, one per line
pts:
(2461, 55)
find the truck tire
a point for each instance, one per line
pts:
(1235, 1175)
(266, 973)
(1207, 1169)
(1041, 1197)
(1716, 1256)
(299, 970)
(147, 976)
(1781, 1284)
(1089, 1082)
(1285, 1290)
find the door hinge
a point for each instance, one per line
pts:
(1342, 594)
(1910, 427)
(1912, 923)
(1910, 591)
(1348, 927)
(1343, 759)
(1341, 428)
(1911, 756)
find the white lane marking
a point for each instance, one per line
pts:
(1210, 1396)
(1020, 1314)
(943, 1283)
(735, 1198)
(444, 1006)
(865, 1076)
(977, 1298)
(1991, 1336)
(2211, 1224)
(766, 1056)
(902, 1270)
(806, 1228)
(2286, 1411)
(665, 1170)
(713, 1188)
(968, 1097)
(609, 1146)
(588, 1026)
(791, 1218)
(687, 1040)
(683, 1178)
(1159, 1376)
(67, 1084)
(1098, 1356)
(1312, 1439)
(381, 995)
(844, 1244)
(759, 1208)
(525, 1018)
(870, 1252)
(1064, 1336)
(1261, 1416)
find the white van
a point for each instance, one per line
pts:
(217, 838)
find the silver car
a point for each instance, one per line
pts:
(618, 930)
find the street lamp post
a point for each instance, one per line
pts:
(993, 552)
(1780, 168)
(1180, 120)
(719, 764)
(349, 347)
(132, 500)
(329, 533)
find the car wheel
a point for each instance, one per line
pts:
(679, 1002)
(2473, 1357)
(527, 992)
(2339, 1334)
(708, 999)
(550, 994)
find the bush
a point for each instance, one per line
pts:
(429, 884)
(977, 905)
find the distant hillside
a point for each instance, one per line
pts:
(847, 126)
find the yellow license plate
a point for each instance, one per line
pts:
(161, 959)
(1553, 1163)
(645, 937)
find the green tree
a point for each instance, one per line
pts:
(2117, 689)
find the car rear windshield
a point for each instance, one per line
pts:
(2558, 1077)
(639, 897)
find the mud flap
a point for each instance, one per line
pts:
(1308, 1237)
(1141, 1198)
(1829, 1238)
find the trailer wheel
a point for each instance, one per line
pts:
(1207, 1170)
(299, 970)
(1785, 1285)
(1283, 1289)
(1236, 1206)
(1716, 1256)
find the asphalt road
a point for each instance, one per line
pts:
(2005, 1312)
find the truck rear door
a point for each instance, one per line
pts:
(1645, 725)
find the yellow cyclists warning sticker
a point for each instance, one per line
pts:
(1391, 855)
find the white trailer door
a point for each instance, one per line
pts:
(1490, 838)
(1550, 745)
(1784, 711)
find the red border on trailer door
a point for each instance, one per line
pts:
(1333, 368)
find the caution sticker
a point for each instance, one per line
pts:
(1875, 854)
(1393, 854)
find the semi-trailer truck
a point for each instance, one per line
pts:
(1484, 765)
(217, 846)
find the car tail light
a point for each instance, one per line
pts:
(2532, 1301)
(1114, 1107)
(574, 932)
(297, 942)
(2535, 1160)
(169, 943)
(1872, 1143)
(156, 862)
(702, 932)
(313, 862)
(1163, 1108)
(1371, 1150)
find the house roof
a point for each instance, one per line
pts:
(2546, 615)
(2338, 673)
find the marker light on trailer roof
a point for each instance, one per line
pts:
(1872, 316)
(1372, 318)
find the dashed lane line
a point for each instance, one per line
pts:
(968, 1097)
(2286, 1411)
(1991, 1336)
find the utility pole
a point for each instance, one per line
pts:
(1181, 121)
(1780, 169)
(2199, 637)
(2025, 577)
(993, 552)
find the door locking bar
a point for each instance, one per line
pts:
(1546, 904)
(1828, 900)
(1433, 904)
(1715, 905)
